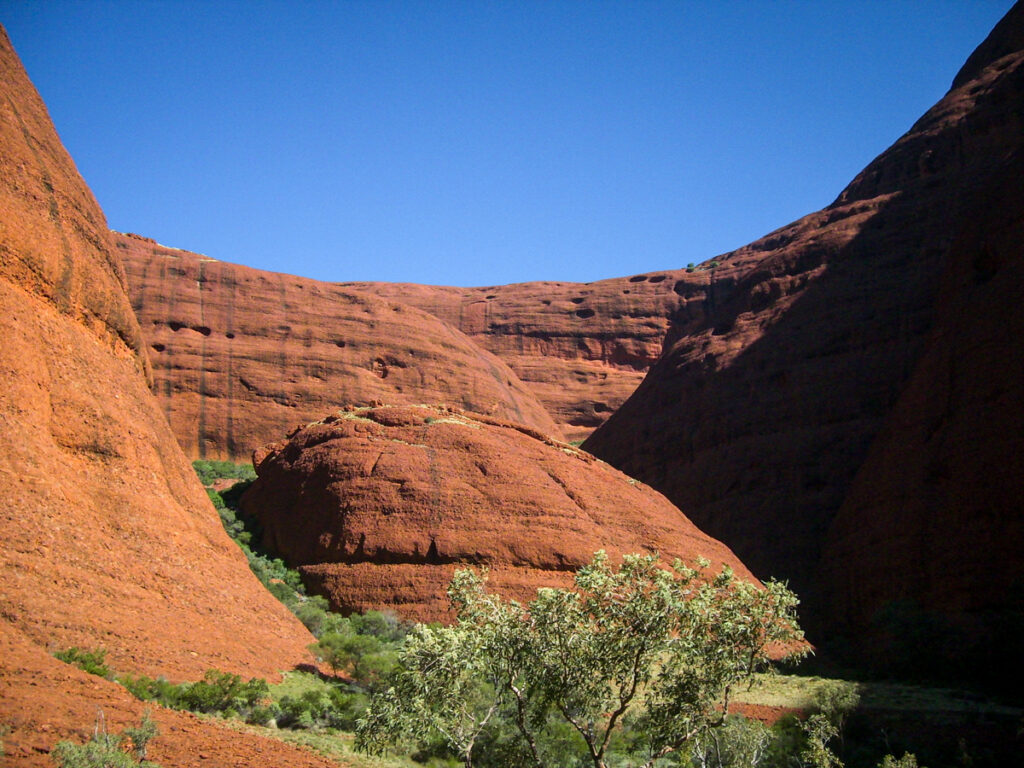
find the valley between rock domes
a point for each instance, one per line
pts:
(840, 403)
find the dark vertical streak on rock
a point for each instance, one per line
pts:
(63, 292)
(202, 370)
(231, 449)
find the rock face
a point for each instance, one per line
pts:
(855, 377)
(582, 348)
(102, 521)
(241, 356)
(378, 506)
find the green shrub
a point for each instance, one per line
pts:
(105, 750)
(159, 690)
(209, 471)
(217, 693)
(907, 761)
(93, 662)
(223, 692)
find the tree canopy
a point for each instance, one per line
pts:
(660, 647)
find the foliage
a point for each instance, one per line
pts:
(106, 750)
(210, 471)
(217, 693)
(738, 743)
(819, 731)
(437, 690)
(158, 690)
(907, 761)
(281, 581)
(659, 648)
(224, 692)
(351, 649)
(93, 662)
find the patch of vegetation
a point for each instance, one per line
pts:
(370, 654)
(219, 693)
(93, 662)
(632, 665)
(211, 471)
(331, 744)
(106, 750)
(281, 581)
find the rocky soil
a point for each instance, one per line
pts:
(44, 701)
(378, 506)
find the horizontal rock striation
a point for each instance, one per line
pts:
(242, 356)
(378, 506)
(582, 348)
(855, 376)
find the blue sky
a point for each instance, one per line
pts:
(481, 143)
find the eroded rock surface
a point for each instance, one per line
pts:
(582, 348)
(107, 538)
(864, 361)
(242, 356)
(378, 506)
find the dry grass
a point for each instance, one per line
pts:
(799, 692)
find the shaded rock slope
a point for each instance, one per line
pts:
(106, 537)
(242, 356)
(855, 377)
(378, 506)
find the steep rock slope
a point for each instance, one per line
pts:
(107, 538)
(880, 326)
(378, 506)
(582, 348)
(242, 356)
(934, 514)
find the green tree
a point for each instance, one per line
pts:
(437, 690)
(660, 646)
(346, 651)
(818, 732)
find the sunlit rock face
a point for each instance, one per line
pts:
(846, 411)
(581, 348)
(106, 537)
(242, 356)
(379, 506)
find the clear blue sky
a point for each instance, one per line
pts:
(480, 143)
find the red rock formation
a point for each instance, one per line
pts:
(934, 514)
(107, 538)
(378, 506)
(241, 356)
(864, 359)
(582, 348)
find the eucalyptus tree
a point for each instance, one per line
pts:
(660, 647)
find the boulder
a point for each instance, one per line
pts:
(378, 506)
